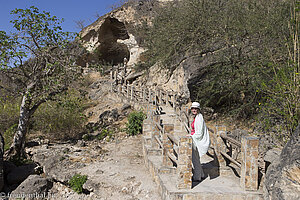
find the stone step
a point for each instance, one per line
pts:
(214, 186)
(153, 151)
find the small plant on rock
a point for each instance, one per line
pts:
(135, 122)
(76, 182)
(105, 133)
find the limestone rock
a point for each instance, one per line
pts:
(34, 187)
(283, 176)
(272, 155)
(108, 38)
(108, 116)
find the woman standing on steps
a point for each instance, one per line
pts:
(201, 141)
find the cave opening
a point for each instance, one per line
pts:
(110, 51)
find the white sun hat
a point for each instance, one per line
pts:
(195, 105)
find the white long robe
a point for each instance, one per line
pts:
(201, 135)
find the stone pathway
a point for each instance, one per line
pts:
(216, 185)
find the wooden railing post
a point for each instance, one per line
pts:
(249, 165)
(119, 89)
(144, 95)
(150, 97)
(167, 144)
(163, 97)
(111, 87)
(112, 75)
(184, 167)
(155, 96)
(174, 101)
(167, 98)
(116, 76)
(127, 92)
(131, 93)
(154, 144)
(160, 97)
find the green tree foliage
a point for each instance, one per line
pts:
(38, 59)
(281, 102)
(9, 112)
(237, 42)
(62, 118)
(135, 123)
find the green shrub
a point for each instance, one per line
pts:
(87, 137)
(234, 40)
(135, 122)
(9, 135)
(280, 108)
(105, 133)
(63, 118)
(76, 182)
(9, 115)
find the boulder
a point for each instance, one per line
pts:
(1, 162)
(19, 174)
(271, 156)
(282, 180)
(108, 117)
(34, 187)
(56, 161)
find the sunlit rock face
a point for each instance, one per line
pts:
(109, 40)
(283, 176)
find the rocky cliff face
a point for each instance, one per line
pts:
(111, 39)
(283, 176)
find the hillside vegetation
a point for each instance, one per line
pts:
(255, 72)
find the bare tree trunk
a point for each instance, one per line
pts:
(16, 149)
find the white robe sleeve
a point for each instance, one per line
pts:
(201, 135)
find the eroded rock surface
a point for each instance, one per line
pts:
(283, 176)
(34, 187)
(115, 170)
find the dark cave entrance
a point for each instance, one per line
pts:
(109, 50)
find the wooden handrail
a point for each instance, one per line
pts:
(187, 127)
(158, 126)
(233, 141)
(158, 141)
(175, 148)
(173, 139)
(231, 159)
(172, 157)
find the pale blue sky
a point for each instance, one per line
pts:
(70, 10)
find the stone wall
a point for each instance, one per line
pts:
(249, 166)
